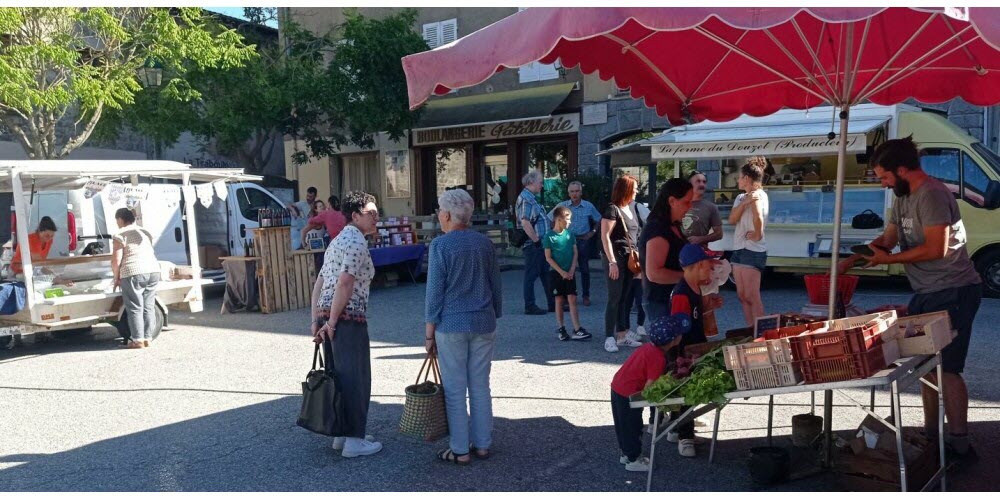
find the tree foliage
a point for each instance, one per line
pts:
(62, 68)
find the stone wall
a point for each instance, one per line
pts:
(625, 117)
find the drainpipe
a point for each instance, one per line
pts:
(986, 127)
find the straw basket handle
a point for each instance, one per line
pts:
(428, 369)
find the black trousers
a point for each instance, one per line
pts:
(616, 314)
(628, 426)
(351, 355)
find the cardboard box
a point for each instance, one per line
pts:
(209, 256)
(873, 464)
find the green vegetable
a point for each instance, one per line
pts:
(708, 384)
(661, 388)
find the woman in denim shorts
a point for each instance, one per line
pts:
(749, 215)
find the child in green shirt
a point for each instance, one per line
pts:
(561, 254)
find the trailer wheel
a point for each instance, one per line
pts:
(126, 334)
(988, 265)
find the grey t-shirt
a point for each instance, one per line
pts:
(701, 218)
(933, 205)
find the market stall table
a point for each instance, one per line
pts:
(241, 284)
(902, 374)
(411, 255)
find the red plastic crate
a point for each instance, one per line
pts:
(818, 287)
(813, 346)
(842, 368)
(785, 331)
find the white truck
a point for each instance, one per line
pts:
(72, 291)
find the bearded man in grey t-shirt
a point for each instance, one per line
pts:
(927, 226)
(702, 223)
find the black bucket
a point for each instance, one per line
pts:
(805, 429)
(769, 464)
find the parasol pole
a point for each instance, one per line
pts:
(838, 209)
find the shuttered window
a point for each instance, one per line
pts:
(536, 72)
(441, 33)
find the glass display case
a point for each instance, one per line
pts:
(812, 205)
(72, 276)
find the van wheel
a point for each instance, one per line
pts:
(125, 333)
(988, 266)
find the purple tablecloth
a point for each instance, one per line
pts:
(398, 254)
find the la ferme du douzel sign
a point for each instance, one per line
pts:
(531, 127)
(791, 146)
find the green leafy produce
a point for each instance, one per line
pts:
(708, 384)
(661, 388)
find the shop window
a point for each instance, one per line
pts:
(441, 33)
(361, 173)
(552, 159)
(495, 177)
(943, 164)
(974, 181)
(450, 169)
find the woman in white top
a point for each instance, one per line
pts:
(137, 273)
(749, 257)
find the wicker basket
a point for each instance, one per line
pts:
(424, 413)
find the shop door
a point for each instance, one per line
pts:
(552, 159)
(495, 179)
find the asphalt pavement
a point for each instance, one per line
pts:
(212, 407)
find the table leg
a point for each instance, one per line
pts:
(827, 427)
(652, 447)
(812, 403)
(715, 435)
(872, 405)
(770, 418)
(940, 391)
(897, 422)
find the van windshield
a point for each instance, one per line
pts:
(992, 158)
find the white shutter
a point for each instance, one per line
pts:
(432, 34)
(528, 73)
(548, 71)
(449, 31)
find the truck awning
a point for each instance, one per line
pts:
(43, 175)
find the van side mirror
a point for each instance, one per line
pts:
(991, 199)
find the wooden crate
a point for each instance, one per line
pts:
(278, 284)
(305, 272)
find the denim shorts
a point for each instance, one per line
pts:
(750, 258)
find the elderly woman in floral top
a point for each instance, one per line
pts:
(340, 298)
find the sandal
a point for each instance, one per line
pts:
(133, 345)
(449, 456)
(480, 454)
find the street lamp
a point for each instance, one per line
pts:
(151, 78)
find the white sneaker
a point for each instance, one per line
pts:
(686, 448)
(338, 442)
(641, 464)
(640, 332)
(673, 437)
(610, 345)
(623, 460)
(355, 447)
(627, 341)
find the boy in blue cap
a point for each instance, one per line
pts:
(641, 369)
(686, 299)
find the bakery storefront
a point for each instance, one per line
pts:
(513, 132)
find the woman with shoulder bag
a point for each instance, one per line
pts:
(137, 272)
(339, 308)
(619, 233)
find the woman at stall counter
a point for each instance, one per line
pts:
(39, 244)
(137, 273)
(660, 246)
(463, 302)
(339, 309)
(749, 215)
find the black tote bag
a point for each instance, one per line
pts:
(322, 409)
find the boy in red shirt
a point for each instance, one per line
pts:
(644, 366)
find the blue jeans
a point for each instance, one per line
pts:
(139, 295)
(583, 264)
(535, 267)
(465, 360)
(656, 310)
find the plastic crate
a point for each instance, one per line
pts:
(787, 331)
(766, 377)
(937, 333)
(842, 368)
(754, 354)
(811, 346)
(818, 287)
(890, 350)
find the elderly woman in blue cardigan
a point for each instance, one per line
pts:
(463, 304)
